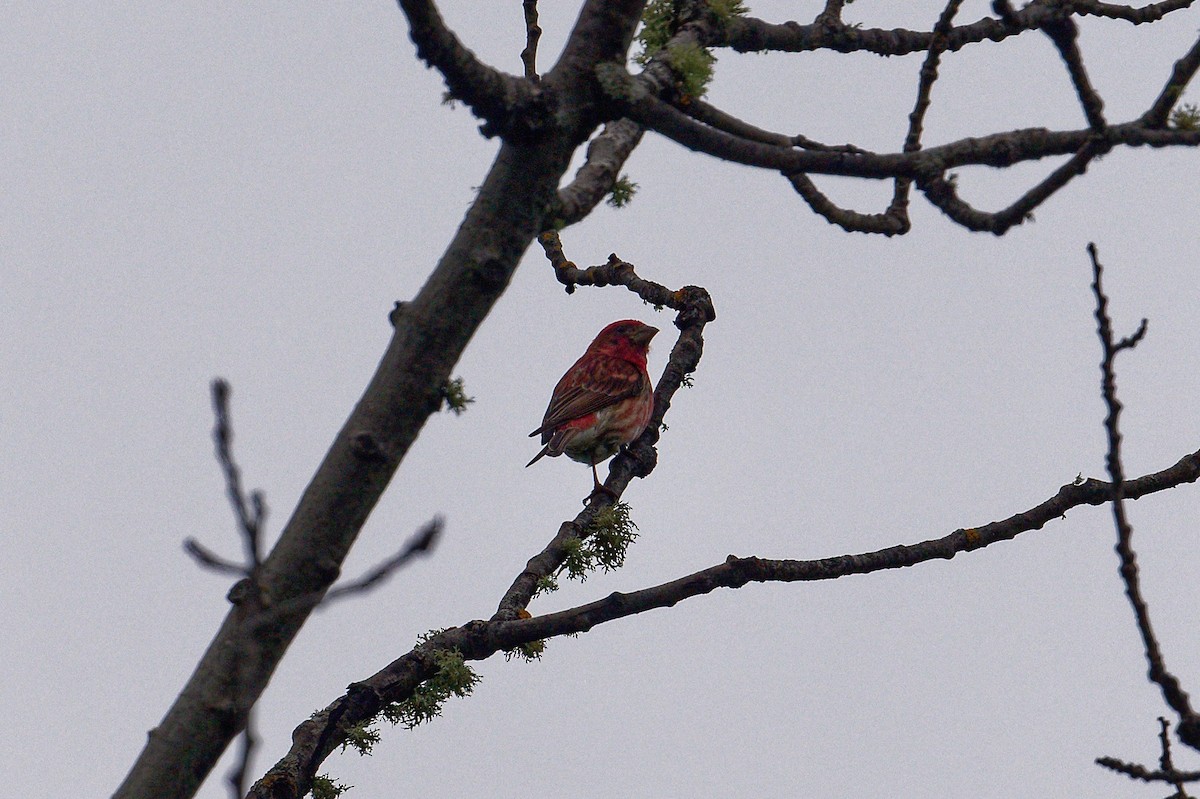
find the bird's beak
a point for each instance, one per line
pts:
(642, 335)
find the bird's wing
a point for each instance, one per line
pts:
(591, 384)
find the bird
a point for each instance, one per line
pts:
(602, 402)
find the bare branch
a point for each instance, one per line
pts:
(422, 543)
(1173, 693)
(748, 34)
(1152, 12)
(942, 193)
(505, 103)
(1139, 772)
(891, 222)
(314, 739)
(1181, 74)
(606, 155)
(533, 33)
(250, 514)
(603, 33)
(998, 149)
(1065, 35)
(210, 560)
(1166, 771)
(929, 75)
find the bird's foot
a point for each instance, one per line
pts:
(600, 491)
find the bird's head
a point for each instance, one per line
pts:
(628, 339)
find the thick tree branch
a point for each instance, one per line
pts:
(603, 33)
(430, 334)
(317, 737)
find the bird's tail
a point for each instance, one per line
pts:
(538, 457)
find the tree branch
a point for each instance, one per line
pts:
(506, 104)
(1173, 693)
(533, 33)
(1181, 74)
(1064, 33)
(894, 221)
(606, 155)
(942, 193)
(422, 543)
(829, 32)
(1166, 771)
(317, 737)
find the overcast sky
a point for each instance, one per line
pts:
(195, 190)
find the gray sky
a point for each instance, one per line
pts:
(243, 190)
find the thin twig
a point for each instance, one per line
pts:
(238, 774)
(210, 560)
(250, 513)
(1164, 760)
(422, 543)
(533, 33)
(1172, 691)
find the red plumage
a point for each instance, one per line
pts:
(604, 401)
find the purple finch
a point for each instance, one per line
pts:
(604, 401)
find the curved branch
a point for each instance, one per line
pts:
(894, 221)
(501, 100)
(997, 149)
(606, 154)
(317, 737)
(942, 193)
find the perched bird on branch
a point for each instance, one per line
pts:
(604, 401)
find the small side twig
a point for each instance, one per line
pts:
(533, 33)
(422, 543)
(252, 512)
(1166, 771)
(237, 775)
